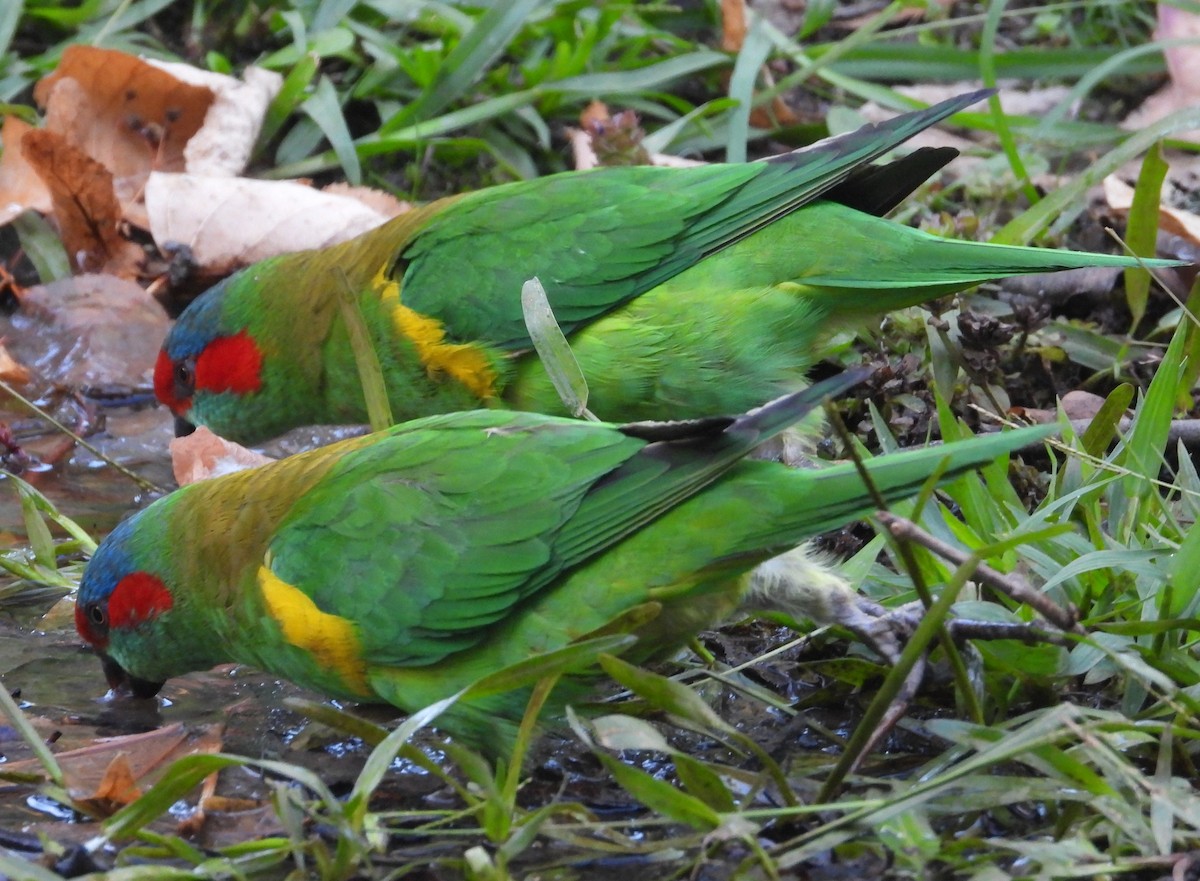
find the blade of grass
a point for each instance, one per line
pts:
(324, 108)
(370, 372)
(1141, 229)
(290, 97)
(987, 71)
(554, 350)
(1054, 206)
(467, 61)
(750, 60)
(43, 246)
(29, 734)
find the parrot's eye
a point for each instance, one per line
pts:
(185, 378)
(92, 622)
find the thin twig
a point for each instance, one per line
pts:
(1012, 586)
(136, 478)
(895, 712)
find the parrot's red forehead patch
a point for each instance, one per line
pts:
(85, 629)
(137, 598)
(230, 364)
(164, 384)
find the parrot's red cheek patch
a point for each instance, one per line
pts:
(230, 364)
(137, 598)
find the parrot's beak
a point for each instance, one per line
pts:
(122, 683)
(182, 427)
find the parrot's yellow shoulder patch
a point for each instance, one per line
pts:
(463, 362)
(330, 639)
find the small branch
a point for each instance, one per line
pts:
(895, 712)
(1013, 587)
(1186, 430)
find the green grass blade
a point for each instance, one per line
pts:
(741, 87)
(324, 108)
(1141, 231)
(467, 61)
(1022, 229)
(554, 350)
(370, 372)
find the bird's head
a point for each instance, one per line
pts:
(128, 612)
(209, 364)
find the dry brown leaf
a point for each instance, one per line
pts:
(377, 200)
(81, 191)
(1176, 221)
(224, 142)
(233, 222)
(733, 25)
(89, 330)
(11, 370)
(20, 186)
(117, 789)
(202, 455)
(1183, 65)
(103, 773)
(1077, 405)
(123, 112)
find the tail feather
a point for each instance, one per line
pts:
(811, 502)
(896, 266)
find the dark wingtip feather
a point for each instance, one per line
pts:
(884, 135)
(877, 189)
(746, 431)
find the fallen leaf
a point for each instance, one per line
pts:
(20, 187)
(733, 25)
(103, 774)
(1175, 221)
(12, 371)
(377, 200)
(223, 144)
(1075, 404)
(1183, 66)
(1058, 287)
(127, 114)
(84, 206)
(88, 330)
(232, 222)
(202, 455)
(117, 789)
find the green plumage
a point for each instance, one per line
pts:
(686, 292)
(450, 547)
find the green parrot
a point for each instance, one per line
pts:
(684, 292)
(401, 566)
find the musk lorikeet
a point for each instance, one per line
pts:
(685, 292)
(403, 565)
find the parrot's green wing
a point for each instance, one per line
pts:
(425, 539)
(598, 240)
